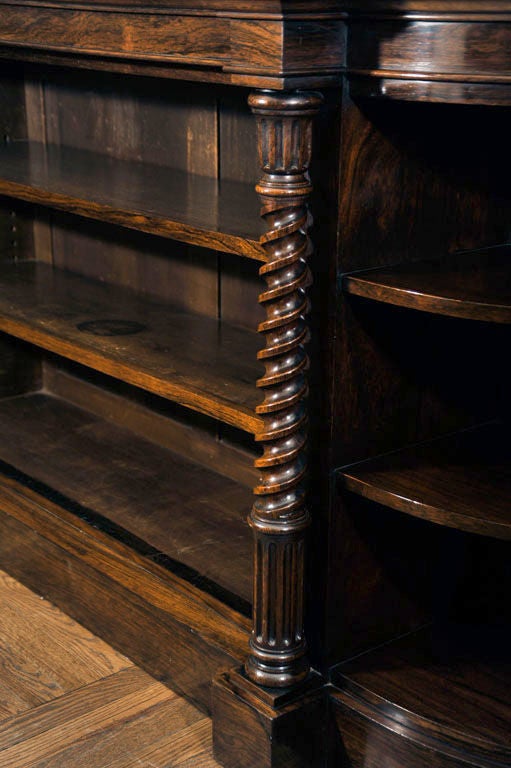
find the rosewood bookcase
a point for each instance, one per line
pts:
(254, 263)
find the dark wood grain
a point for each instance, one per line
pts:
(462, 481)
(218, 41)
(387, 86)
(278, 728)
(446, 57)
(473, 286)
(456, 705)
(149, 198)
(280, 515)
(111, 473)
(194, 360)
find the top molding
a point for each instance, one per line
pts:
(421, 50)
(262, 44)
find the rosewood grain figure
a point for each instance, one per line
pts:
(280, 517)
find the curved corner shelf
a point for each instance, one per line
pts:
(451, 705)
(198, 362)
(462, 481)
(475, 286)
(160, 201)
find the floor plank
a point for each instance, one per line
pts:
(33, 634)
(107, 713)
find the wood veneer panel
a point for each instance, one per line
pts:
(203, 364)
(477, 290)
(463, 481)
(456, 702)
(160, 502)
(150, 198)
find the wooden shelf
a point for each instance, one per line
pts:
(196, 361)
(463, 481)
(448, 692)
(474, 286)
(161, 201)
(173, 511)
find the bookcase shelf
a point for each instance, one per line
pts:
(204, 364)
(462, 481)
(453, 701)
(149, 198)
(156, 271)
(472, 286)
(194, 523)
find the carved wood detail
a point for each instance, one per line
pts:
(279, 516)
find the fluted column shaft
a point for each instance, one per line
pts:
(279, 516)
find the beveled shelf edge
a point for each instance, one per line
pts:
(154, 225)
(402, 723)
(236, 416)
(444, 516)
(362, 285)
(125, 65)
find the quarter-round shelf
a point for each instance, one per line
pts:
(471, 286)
(443, 694)
(463, 481)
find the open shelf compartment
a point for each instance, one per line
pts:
(172, 510)
(199, 362)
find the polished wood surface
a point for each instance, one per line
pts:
(454, 703)
(146, 197)
(68, 698)
(291, 46)
(193, 360)
(462, 481)
(279, 515)
(109, 473)
(473, 286)
(451, 52)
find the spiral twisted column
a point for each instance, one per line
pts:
(279, 516)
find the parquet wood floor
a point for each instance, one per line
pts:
(67, 699)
